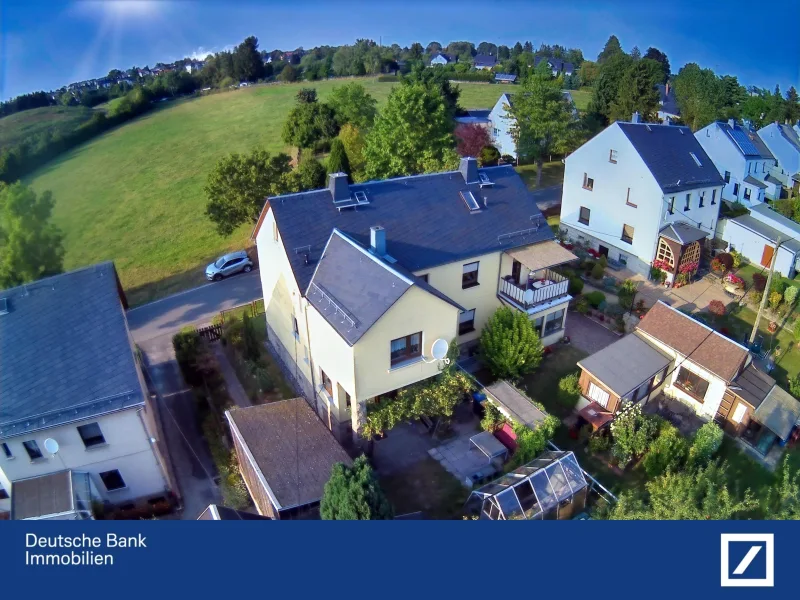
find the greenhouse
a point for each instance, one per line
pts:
(552, 486)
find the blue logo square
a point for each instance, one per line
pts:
(755, 567)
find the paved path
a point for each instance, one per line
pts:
(198, 305)
(587, 335)
(232, 383)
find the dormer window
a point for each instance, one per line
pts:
(612, 156)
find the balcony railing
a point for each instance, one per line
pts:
(542, 286)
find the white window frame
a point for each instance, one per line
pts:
(598, 394)
(741, 414)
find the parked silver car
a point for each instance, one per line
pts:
(229, 264)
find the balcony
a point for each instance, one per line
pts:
(541, 286)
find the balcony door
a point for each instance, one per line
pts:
(516, 271)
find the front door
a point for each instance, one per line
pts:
(603, 250)
(766, 257)
(516, 267)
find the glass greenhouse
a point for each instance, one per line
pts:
(552, 486)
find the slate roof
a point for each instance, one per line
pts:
(778, 412)
(626, 364)
(698, 343)
(474, 115)
(769, 233)
(753, 181)
(426, 222)
(485, 60)
(667, 152)
(683, 233)
(352, 288)
(668, 103)
(291, 447)
(65, 351)
(747, 142)
(753, 385)
(505, 77)
(556, 63)
(790, 134)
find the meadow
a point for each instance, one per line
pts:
(135, 194)
(28, 123)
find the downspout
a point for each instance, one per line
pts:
(151, 440)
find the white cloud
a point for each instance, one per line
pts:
(202, 52)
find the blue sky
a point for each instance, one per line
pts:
(46, 43)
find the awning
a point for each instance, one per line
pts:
(515, 404)
(542, 255)
(595, 415)
(778, 412)
(683, 233)
(753, 181)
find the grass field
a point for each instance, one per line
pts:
(19, 126)
(135, 194)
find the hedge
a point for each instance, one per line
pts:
(595, 298)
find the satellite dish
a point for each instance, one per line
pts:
(439, 349)
(51, 446)
(527, 297)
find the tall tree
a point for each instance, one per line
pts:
(588, 72)
(337, 159)
(612, 48)
(503, 53)
(527, 47)
(354, 142)
(699, 95)
(309, 123)
(516, 50)
(606, 87)
(437, 81)
(487, 48)
(658, 56)
(637, 91)
(416, 51)
(309, 175)
(31, 247)
(248, 65)
(510, 344)
(636, 54)
(791, 108)
(352, 104)
(353, 494)
(542, 120)
(413, 134)
(239, 183)
(433, 47)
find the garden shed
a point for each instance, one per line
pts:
(552, 486)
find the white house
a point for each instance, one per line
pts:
(638, 192)
(74, 407)
(743, 159)
(667, 105)
(783, 141)
(484, 62)
(443, 59)
(501, 123)
(558, 66)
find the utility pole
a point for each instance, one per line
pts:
(765, 297)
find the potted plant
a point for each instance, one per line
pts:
(772, 327)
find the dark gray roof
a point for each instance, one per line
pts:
(485, 60)
(556, 63)
(667, 100)
(352, 288)
(753, 181)
(683, 233)
(505, 77)
(754, 385)
(769, 233)
(215, 512)
(667, 151)
(772, 180)
(65, 351)
(626, 364)
(448, 57)
(778, 412)
(747, 142)
(474, 116)
(425, 219)
(790, 134)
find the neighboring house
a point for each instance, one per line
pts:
(756, 236)
(443, 59)
(285, 456)
(357, 296)
(501, 123)
(214, 512)
(485, 61)
(558, 66)
(783, 142)
(743, 159)
(72, 394)
(668, 106)
(478, 116)
(639, 192)
(505, 78)
(671, 353)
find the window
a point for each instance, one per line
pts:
(671, 208)
(736, 190)
(7, 451)
(713, 197)
(424, 277)
(628, 199)
(537, 324)
(295, 328)
(702, 198)
(659, 377)
(554, 322)
(588, 182)
(688, 200)
(623, 259)
(91, 435)
(692, 384)
(496, 132)
(466, 322)
(749, 167)
(275, 231)
(727, 176)
(665, 252)
(469, 275)
(599, 395)
(406, 348)
(584, 215)
(32, 448)
(627, 234)
(612, 156)
(112, 480)
(738, 414)
(747, 193)
(347, 400)
(695, 159)
(326, 382)
(3, 494)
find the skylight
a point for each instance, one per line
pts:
(470, 201)
(696, 160)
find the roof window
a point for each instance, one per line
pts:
(696, 160)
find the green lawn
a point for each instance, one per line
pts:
(581, 98)
(23, 125)
(135, 194)
(552, 174)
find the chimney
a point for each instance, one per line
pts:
(666, 89)
(377, 240)
(747, 124)
(468, 167)
(731, 123)
(636, 118)
(338, 186)
(667, 121)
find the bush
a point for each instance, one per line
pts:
(489, 156)
(582, 306)
(658, 275)
(569, 391)
(627, 292)
(598, 270)
(755, 297)
(575, 286)
(508, 159)
(775, 299)
(737, 259)
(794, 386)
(790, 295)
(599, 444)
(667, 452)
(510, 344)
(595, 298)
(530, 442)
(759, 282)
(706, 442)
(717, 308)
(633, 433)
(726, 260)
(492, 418)
(777, 285)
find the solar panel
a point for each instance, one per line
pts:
(740, 138)
(470, 201)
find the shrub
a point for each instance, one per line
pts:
(575, 286)
(717, 266)
(508, 159)
(657, 274)
(755, 297)
(510, 344)
(597, 270)
(737, 259)
(489, 156)
(775, 299)
(790, 295)
(354, 494)
(569, 391)
(632, 433)
(796, 330)
(706, 442)
(667, 452)
(777, 285)
(794, 386)
(595, 298)
(717, 308)
(627, 292)
(599, 444)
(759, 282)
(530, 442)
(582, 306)
(492, 418)
(726, 260)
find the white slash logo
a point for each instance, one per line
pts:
(759, 559)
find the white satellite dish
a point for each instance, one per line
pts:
(527, 297)
(439, 349)
(51, 446)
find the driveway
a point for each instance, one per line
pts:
(587, 335)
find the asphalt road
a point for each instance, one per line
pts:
(196, 306)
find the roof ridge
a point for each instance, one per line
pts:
(40, 283)
(703, 325)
